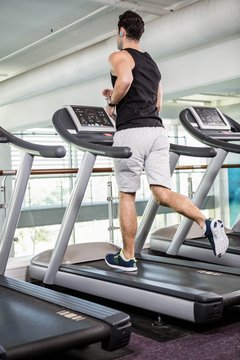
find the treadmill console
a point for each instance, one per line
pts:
(209, 118)
(90, 118)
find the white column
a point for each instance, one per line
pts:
(5, 182)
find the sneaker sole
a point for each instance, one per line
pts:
(124, 268)
(222, 245)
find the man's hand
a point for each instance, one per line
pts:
(107, 93)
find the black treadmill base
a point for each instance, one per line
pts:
(36, 320)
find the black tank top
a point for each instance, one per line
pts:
(138, 107)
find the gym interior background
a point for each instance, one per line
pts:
(56, 52)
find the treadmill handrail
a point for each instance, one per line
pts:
(195, 151)
(47, 151)
(229, 147)
(87, 146)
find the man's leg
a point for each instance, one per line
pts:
(124, 258)
(128, 222)
(212, 229)
(179, 203)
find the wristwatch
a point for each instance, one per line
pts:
(111, 104)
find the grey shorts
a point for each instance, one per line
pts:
(150, 152)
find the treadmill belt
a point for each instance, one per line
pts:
(234, 243)
(161, 277)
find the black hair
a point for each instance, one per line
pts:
(132, 23)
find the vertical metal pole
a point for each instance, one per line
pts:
(14, 209)
(198, 199)
(110, 209)
(110, 199)
(71, 212)
(3, 190)
(190, 186)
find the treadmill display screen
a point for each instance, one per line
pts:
(90, 118)
(209, 118)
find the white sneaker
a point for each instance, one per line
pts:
(215, 232)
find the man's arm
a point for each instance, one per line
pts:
(159, 97)
(121, 66)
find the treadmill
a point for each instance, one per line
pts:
(211, 127)
(34, 320)
(183, 289)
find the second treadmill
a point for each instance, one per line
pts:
(211, 127)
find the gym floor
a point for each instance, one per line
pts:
(167, 338)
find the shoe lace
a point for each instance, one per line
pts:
(116, 259)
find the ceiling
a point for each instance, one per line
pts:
(34, 33)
